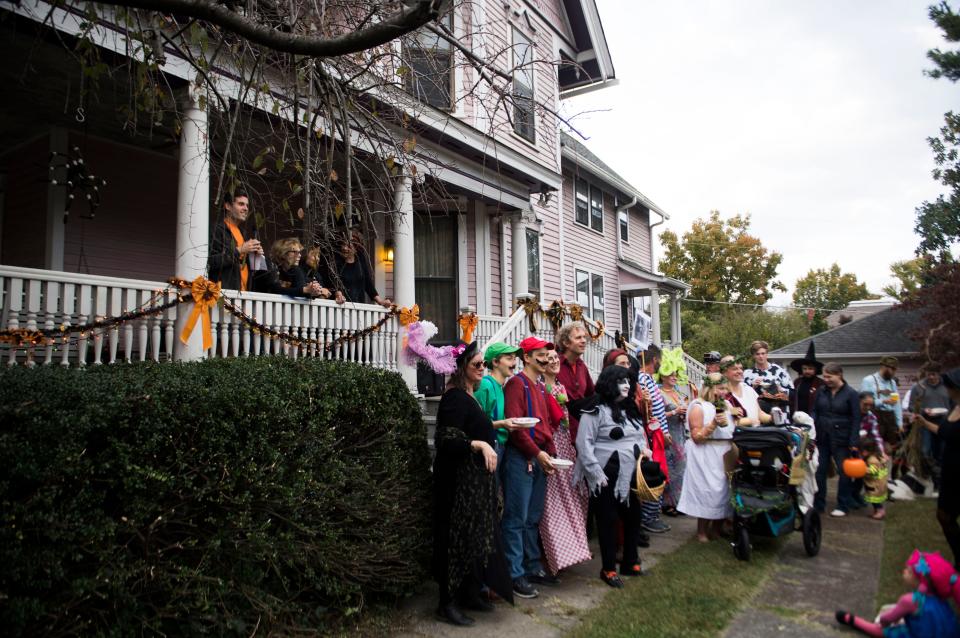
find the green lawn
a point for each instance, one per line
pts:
(909, 525)
(694, 591)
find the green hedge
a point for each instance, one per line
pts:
(207, 498)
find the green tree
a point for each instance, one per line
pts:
(826, 290)
(732, 330)
(938, 222)
(910, 275)
(722, 261)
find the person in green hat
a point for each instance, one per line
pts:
(501, 362)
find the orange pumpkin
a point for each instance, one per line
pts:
(855, 468)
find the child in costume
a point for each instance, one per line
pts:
(875, 482)
(925, 611)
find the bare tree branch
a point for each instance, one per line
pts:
(318, 47)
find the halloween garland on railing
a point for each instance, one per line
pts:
(468, 323)
(205, 294)
(556, 314)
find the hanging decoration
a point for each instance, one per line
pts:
(205, 294)
(532, 307)
(556, 313)
(79, 182)
(620, 340)
(409, 315)
(468, 323)
(441, 359)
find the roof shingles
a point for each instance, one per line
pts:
(880, 333)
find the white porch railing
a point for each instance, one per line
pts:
(44, 299)
(487, 326)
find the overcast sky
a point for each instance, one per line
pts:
(810, 116)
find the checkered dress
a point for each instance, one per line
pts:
(563, 526)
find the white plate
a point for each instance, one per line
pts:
(525, 421)
(561, 464)
(938, 411)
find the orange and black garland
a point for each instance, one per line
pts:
(556, 314)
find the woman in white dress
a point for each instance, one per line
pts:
(706, 491)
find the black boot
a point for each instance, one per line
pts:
(452, 614)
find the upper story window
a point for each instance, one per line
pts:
(429, 62)
(589, 204)
(533, 262)
(623, 219)
(590, 294)
(523, 102)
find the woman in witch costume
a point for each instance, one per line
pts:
(807, 384)
(467, 550)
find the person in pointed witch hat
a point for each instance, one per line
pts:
(805, 386)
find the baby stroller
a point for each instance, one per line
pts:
(763, 491)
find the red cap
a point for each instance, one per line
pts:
(530, 344)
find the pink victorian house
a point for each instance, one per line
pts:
(509, 180)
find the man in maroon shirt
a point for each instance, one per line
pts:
(527, 461)
(573, 375)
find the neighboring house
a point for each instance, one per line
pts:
(584, 232)
(858, 310)
(858, 346)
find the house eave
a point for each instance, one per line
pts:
(613, 180)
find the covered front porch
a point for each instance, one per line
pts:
(645, 290)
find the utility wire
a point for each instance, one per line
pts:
(757, 305)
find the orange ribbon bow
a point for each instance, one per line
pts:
(409, 315)
(205, 295)
(468, 323)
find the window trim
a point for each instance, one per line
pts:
(408, 82)
(531, 44)
(624, 233)
(533, 232)
(591, 188)
(590, 311)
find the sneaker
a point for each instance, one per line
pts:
(838, 513)
(633, 570)
(543, 577)
(611, 579)
(656, 526)
(879, 515)
(523, 589)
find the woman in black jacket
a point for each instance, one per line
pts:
(836, 412)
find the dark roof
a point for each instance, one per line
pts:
(582, 151)
(880, 333)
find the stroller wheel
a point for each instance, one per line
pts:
(811, 532)
(741, 542)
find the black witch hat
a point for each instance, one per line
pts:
(809, 360)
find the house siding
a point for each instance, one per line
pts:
(133, 234)
(25, 204)
(496, 305)
(638, 248)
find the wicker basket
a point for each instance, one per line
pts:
(645, 493)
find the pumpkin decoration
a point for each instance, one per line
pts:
(855, 468)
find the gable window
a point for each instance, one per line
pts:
(428, 59)
(533, 262)
(523, 115)
(589, 289)
(583, 201)
(623, 219)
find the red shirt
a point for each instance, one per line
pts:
(515, 405)
(576, 379)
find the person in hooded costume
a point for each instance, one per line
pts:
(806, 385)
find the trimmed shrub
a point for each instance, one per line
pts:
(207, 498)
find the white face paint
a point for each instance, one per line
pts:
(624, 387)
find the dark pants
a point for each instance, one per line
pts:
(468, 590)
(608, 511)
(887, 422)
(833, 445)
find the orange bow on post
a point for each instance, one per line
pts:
(409, 315)
(205, 295)
(468, 323)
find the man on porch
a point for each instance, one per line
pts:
(227, 260)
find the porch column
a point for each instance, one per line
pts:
(518, 257)
(193, 216)
(56, 204)
(655, 314)
(404, 279)
(675, 334)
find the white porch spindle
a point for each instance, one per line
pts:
(193, 217)
(519, 258)
(404, 281)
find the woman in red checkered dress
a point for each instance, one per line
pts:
(563, 526)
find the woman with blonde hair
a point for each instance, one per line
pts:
(706, 491)
(291, 279)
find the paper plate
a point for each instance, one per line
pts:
(561, 464)
(526, 421)
(938, 411)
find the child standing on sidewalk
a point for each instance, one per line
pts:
(875, 482)
(924, 612)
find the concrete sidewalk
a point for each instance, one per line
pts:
(800, 597)
(556, 610)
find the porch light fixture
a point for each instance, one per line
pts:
(388, 247)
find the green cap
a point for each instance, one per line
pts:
(498, 348)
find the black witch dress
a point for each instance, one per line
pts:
(467, 549)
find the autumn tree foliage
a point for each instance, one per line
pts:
(826, 289)
(722, 261)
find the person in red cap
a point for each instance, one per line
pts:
(526, 464)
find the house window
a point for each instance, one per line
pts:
(435, 272)
(523, 115)
(583, 201)
(429, 62)
(590, 294)
(623, 218)
(533, 263)
(596, 209)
